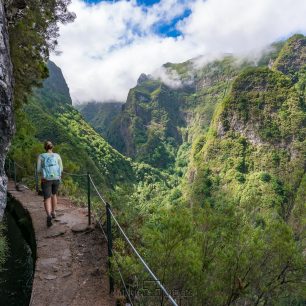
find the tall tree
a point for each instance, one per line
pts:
(33, 32)
(29, 29)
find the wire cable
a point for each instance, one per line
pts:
(122, 279)
(21, 167)
(75, 174)
(170, 298)
(143, 262)
(97, 191)
(114, 252)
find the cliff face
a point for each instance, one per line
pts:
(55, 91)
(158, 118)
(100, 115)
(48, 114)
(6, 110)
(163, 116)
(254, 151)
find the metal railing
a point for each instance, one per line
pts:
(108, 233)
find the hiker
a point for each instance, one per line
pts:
(51, 167)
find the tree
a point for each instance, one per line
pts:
(33, 32)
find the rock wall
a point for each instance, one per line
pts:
(7, 126)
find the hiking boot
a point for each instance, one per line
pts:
(49, 221)
(53, 215)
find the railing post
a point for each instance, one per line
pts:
(15, 174)
(109, 246)
(88, 199)
(36, 178)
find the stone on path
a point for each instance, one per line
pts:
(50, 277)
(80, 227)
(46, 262)
(67, 274)
(55, 232)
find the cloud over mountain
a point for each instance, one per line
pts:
(111, 43)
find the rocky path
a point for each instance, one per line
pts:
(71, 265)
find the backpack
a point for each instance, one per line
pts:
(50, 166)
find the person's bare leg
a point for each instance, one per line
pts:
(47, 203)
(54, 203)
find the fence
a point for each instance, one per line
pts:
(165, 297)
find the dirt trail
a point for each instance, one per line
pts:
(71, 267)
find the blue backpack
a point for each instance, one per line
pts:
(50, 166)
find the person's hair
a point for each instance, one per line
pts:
(48, 145)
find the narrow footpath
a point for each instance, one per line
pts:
(71, 265)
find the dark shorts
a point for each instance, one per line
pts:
(49, 188)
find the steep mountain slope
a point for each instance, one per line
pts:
(253, 161)
(157, 118)
(50, 115)
(159, 122)
(162, 117)
(258, 132)
(100, 115)
(232, 232)
(55, 90)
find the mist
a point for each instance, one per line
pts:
(111, 43)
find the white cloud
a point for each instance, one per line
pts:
(110, 44)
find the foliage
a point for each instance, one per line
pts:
(232, 233)
(157, 119)
(33, 30)
(221, 218)
(100, 115)
(292, 56)
(49, 115)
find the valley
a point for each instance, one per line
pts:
(207, 176)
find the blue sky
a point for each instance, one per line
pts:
(141, 2)
(169, 28)
(112, 42)
(163, 28)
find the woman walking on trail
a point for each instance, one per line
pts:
(50, 166)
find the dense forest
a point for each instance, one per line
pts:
(231, 229)
(207, 178)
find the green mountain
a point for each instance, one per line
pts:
(220, 219)
(160, 120)
(55, 89)
(257, 137)
(252, 160)
(100, 115)
(49, 114)
(232, 231)
(157, 119)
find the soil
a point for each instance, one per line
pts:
(71, 264)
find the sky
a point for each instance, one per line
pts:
(107, 47)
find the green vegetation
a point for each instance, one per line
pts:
(157, 119)
(292, 56)
(100, 115)
(33, 30)
(233, 231)
(49, 115)
(221, 215)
